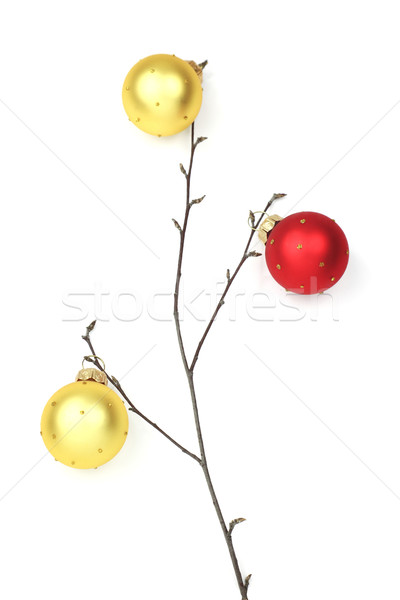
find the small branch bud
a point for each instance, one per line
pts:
(235, 522)
(253, 253)
(90, 327)
(274, 197)
(228, 275)
(252, 218)
(177, 225)
(200, 139)
(115, 381)
(247, 581)
(183, 170)
(197, 200)
(203, 64)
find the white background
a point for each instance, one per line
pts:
(299, 402)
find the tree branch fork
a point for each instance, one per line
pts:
(189, 366)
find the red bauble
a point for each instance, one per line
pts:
(307, 252)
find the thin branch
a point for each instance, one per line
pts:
(231, 279)
(243, 583)
(132, 407)
(189, 374)
(182, 244)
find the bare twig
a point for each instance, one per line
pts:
(189, 374)
(231, 279)
(132, 407)
(243, 583)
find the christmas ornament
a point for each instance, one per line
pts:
(85, 423)
(306, 252)
(162, 94)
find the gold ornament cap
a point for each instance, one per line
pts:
(92, 374)
(267, 225)
(197, 68)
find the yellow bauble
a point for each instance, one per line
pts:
(162, 94)
(84, 424)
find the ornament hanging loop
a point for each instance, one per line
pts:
(251, 215)
(93, 356)
(266, 226)
(90, 373)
